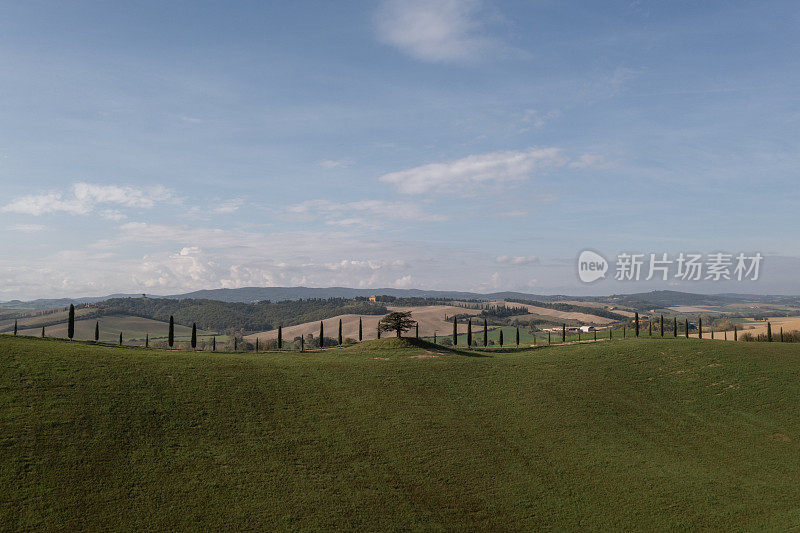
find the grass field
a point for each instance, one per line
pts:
(634, 434)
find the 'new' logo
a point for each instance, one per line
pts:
(591, 266)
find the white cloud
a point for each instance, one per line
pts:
(27, 228)
(591, 161)
(112, 214)
(404, 282)
(228, 206)
(435, 30)
(363, 212)
(538, 119)
(83, 198)
(189, 250)
(518, 260)
(45, 203)
(463, 175)
(333, 163)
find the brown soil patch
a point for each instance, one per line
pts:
(779, 437)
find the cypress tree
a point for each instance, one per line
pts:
(120, 338)
(214, 343)
(726, 334)
(280, 337)
(769, 332)
(416, 330)
(712, 333)
(501, 338)
(147, 340)
(469, 333)
(548, 338)
(662, 325)
(650, 328)
(15, 327)
(42, 331)
(624, 333)
(171, 333)
(194, 336)
(71, 322)
(455, 332)
(96, 331)
(686, 327)
(595, 334)
(256, 343)
(518, 337)
(781, 334)
(636, 322)
(235, 344)
(735, 334)
(302, 343)
(485, 334)
(434, 336)
(379, 333)
(563, 333)
(321, 335)
(360, 331)
(340, 332)
(674, 326)
(699, 327)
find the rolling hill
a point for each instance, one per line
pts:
(633, 434)
(133, 329)
(431, 318)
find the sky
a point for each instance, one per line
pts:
(164, 147)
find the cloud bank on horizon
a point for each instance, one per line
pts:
(445, 144)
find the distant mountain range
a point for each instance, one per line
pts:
(276, 294)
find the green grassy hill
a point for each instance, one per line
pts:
(634, 434)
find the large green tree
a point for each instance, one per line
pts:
(397, 321)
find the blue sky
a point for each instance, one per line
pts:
(169, 146)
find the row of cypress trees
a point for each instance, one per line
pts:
(193, 342)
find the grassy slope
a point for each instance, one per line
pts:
(646, 434)
(133, 328)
